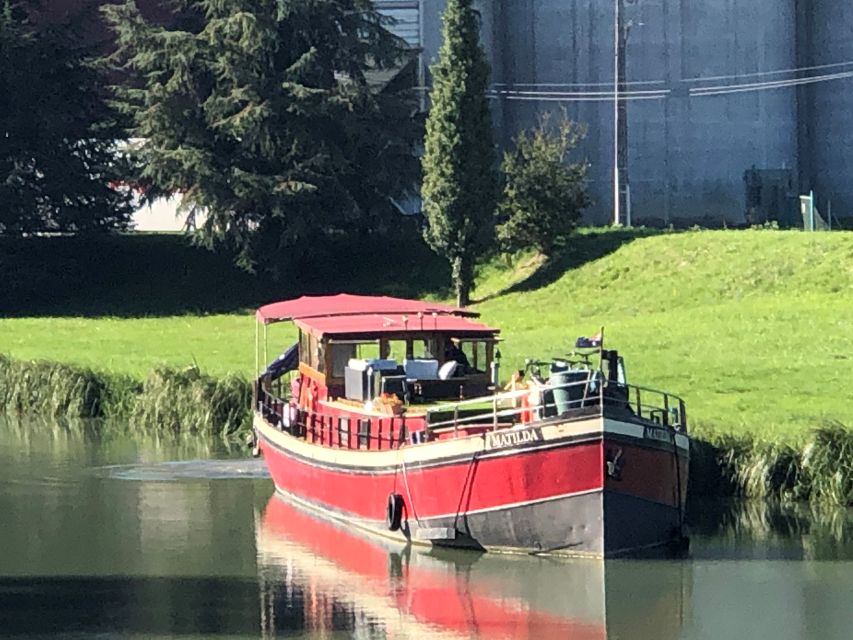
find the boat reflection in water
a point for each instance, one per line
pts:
(318, 576)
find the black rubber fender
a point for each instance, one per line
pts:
(394, 511)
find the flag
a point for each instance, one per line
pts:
(589, 342)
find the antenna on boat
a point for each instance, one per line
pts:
(434, 321)
(405, 323)
(421, 318)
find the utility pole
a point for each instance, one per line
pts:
(621, 189)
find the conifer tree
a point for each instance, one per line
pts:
(59, 161)
(459, 183)
(261, 113)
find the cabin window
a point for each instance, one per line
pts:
(341, 355)
(429, 348)
(304, 348)
(479, 351)
(398, 350)
(475, 351)
(316, 354)
(368, 350)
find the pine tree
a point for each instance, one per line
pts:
(543, 195)
(59, 161)
(459, 184)
(262, 115)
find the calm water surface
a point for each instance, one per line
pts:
(124, 539)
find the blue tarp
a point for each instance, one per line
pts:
(287, 361)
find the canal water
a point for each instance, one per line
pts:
(119, 538)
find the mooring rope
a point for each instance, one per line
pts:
(408, 491)
(468, 476)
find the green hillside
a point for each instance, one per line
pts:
(753, 328)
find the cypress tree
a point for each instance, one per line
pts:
(262, 114)
(459, 183)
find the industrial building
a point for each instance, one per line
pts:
(734, 107)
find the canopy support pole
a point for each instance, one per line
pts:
(266, 358)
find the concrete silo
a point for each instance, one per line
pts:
(688, 151)
(687, 155)
(827, 107)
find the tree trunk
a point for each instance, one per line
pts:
(463, 279)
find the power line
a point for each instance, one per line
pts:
(524, 85)
(762, 86)
(562, 98)
(574, 84)
(660, 94)
(771, 73)
(573, 94)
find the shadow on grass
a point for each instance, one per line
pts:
(133, 275)
(581, 248)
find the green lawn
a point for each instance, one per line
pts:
(218, 344)
(753, 328)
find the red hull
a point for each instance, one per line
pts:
(544, 488)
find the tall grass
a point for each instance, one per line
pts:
(819, 470)
(187, 401)
(168, 401)
(51, 389)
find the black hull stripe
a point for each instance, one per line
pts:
(404, 535)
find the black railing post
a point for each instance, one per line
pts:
(639, 404)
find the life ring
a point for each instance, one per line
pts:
(394, 511)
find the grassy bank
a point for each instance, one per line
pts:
(753, 328)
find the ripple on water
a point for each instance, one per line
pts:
(185, 470)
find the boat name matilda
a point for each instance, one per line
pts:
(511, 438)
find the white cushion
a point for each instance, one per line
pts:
(422, 369)
(358, 365)
(376, 364)
(448, 369)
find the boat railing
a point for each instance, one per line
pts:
(527, 404)
(584, 397)
(372, 433)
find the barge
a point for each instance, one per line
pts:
(389, 415)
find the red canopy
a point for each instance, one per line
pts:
(375, 325)
(351, 305)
